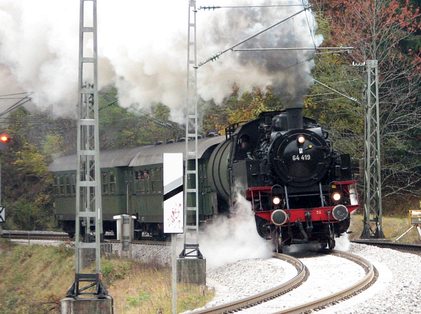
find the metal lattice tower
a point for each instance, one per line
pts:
(191, 196)
(88, 222)
(372, 166)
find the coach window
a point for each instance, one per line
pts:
(61, 185)
(136, 180)
(73, 183)
(56, 184)
(135, 175)
(151, 180)
(68, 186)
(156, 180)
(105, 183)
(145, 181)
(140, 180)
(112, 182)
(145, 175)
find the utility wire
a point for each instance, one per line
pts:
(13, 94)
(216, 56)
(17, 104)
(310, 28)
(248, 6)
(338, 92)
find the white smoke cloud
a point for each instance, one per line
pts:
(142, 50)
(228, 240)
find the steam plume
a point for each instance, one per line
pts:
(232, 239)
(142, 50)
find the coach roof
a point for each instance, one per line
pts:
(133, 157)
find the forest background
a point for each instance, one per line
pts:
(385, 30)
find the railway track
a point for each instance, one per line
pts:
(34, 235)
(404, 247)
(62, 236)
(302, 274)
(369, 278)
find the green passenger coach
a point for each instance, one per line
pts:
(132, 184)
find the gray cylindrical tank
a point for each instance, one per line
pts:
(218, 173)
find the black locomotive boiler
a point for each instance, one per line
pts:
(300, 189)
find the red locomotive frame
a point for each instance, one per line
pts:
(324, 213)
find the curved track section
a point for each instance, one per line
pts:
(369, 279)
(302, 274)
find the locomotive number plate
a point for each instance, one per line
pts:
(301, 157)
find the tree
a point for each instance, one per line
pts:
(376, 29)
(340, 116)
(238, 108)
(25, 178)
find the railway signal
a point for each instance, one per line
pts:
(4, 140)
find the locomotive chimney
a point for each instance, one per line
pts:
(295, 118)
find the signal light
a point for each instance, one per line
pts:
(4, 138)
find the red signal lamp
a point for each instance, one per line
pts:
(4, 138)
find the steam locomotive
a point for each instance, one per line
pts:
(300, 189)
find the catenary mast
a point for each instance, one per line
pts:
(88, 228)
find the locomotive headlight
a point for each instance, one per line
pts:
(336, 196)
(276, 200)
(301, 139)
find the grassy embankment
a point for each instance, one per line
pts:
(393, 227)
(35, 278)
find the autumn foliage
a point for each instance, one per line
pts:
(373, 27)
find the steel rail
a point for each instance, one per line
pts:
(34, 235)
(362, 284)
(406, 247)
(52, 235)
(302, 274)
